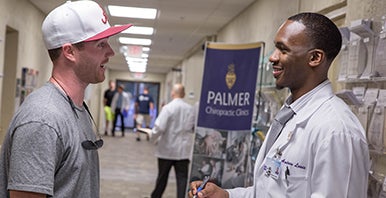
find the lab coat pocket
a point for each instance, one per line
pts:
(294, 179)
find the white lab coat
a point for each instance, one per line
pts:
(327, 155)
(174, 128)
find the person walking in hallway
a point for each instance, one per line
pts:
(173, 131)
(144, 105)
(107, 98)
(316, 146)
(50, 149)
(121, 105)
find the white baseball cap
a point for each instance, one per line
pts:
(74, 22)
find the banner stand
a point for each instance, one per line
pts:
(223, 142)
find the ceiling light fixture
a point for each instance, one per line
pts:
(134, 41)
(132, 12)
(136, 64)
(139, 30)
(135, 60)
(137, 67)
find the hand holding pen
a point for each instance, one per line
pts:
(202, 186)
(206, 189)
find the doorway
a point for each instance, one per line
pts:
(9, 81)
(135, 88)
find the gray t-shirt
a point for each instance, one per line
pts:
(42, 150)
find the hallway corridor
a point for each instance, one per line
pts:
(129, 168)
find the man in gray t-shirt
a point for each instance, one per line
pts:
(42, 151)
(50, 149)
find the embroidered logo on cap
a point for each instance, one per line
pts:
(104, 20)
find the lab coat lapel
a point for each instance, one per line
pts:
(302, 115)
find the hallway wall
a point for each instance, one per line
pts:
(23, 17)
(192, 73)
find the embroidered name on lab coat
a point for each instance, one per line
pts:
(296, 165)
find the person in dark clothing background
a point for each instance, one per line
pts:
(107, 98)
(144, 105)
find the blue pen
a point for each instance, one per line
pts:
(202, 186)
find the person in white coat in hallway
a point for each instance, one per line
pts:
(322, 150)
(173, 131)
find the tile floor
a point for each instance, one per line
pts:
(129, 168)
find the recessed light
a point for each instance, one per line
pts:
(132, 12)
(139, 30)
(134, 41)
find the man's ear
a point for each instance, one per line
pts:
(316, 57)
(68, 51)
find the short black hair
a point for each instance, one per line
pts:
(321, 31)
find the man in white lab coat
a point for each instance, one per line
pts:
(173, 130)
(322, 151)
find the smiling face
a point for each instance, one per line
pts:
(290, 59)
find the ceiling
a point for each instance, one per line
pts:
(181, 26)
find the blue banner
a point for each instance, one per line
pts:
(229, 86)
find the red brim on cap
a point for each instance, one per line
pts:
(109, 32)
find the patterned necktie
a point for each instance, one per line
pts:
(278, 123)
